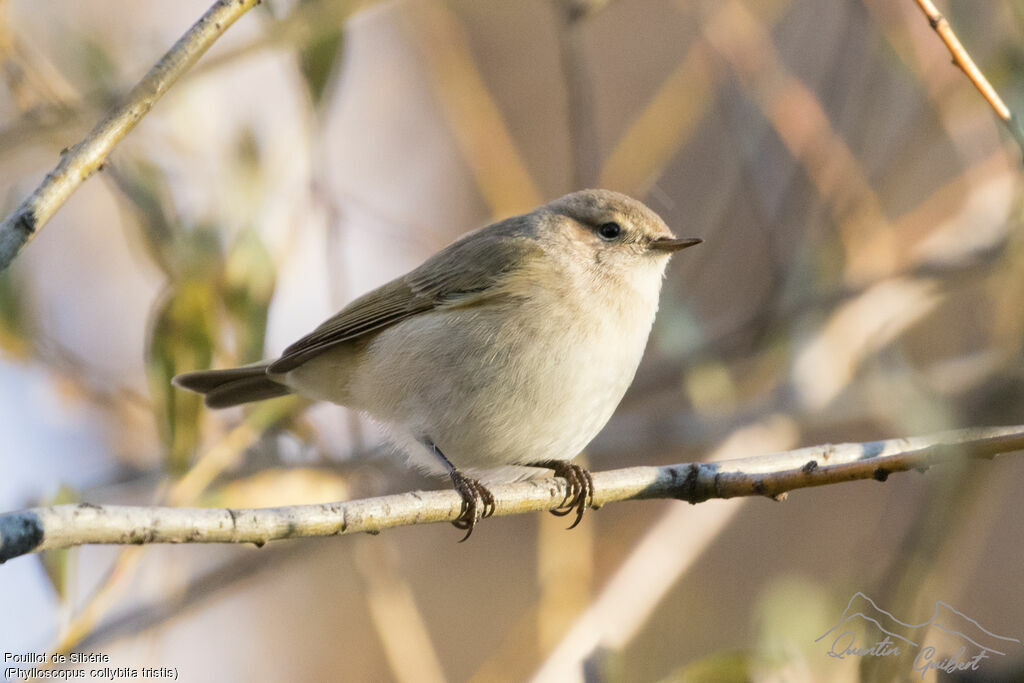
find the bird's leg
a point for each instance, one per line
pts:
(580, 491)
(477, 501)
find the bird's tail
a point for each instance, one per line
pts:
(231, 387)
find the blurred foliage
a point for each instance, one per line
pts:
(277, 413)
(56, 563)
(278, 486)
(797, 138)
(319, 54)
(790, 613)
(143, 183)
(210, 296)
(214, 296)
(249, 278)
(98, 70)
(181, 338)
(721, 667)
(15, 319)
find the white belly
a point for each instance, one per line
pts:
(533, 378)
(489, 392)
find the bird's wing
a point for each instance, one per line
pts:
(464, 273)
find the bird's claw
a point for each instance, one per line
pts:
(477, 502)
(579, 493)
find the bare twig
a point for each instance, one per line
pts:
(579, 92)
(655, 563)
(473, 115)
(85, 158)
(184, 491)
(962, 59)
(799, 119)
(202, 589)
(62, 526)
(113, 585)
(401, 629)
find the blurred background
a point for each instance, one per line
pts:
(862, 278)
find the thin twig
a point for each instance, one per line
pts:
(802, 124)
(962, 59)
(656, 562)
(481, 133)
(182, 492)
(113, 586)
(579, 93)
(205, 587)
(401, 629)
(63, 526)
(88, 156)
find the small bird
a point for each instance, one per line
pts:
(511, 346)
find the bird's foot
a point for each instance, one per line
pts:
(580, 492)
(477, 502)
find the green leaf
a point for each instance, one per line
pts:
(249, 280)
(15, 318)
(145, 186)
(199, 253)
(99, 69)
(181, 338)
(318, 54)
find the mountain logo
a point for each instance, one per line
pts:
(947, 631)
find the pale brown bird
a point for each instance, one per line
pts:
(512, 346)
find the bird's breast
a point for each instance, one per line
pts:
(511, 380)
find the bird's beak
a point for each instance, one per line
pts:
(671, 245)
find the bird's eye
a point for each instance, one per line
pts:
(609, 231)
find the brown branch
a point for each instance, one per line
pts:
(88, 156)
(962, 59)
(62, 526)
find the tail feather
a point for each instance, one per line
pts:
(231, 387)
